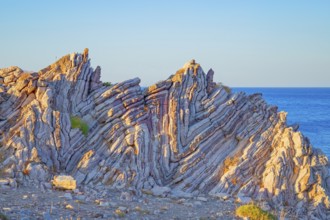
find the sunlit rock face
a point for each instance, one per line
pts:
(187, 134)
(64, 182)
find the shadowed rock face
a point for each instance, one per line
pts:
(185, 133)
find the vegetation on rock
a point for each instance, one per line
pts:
(3, 217)
(253, 212)
(107, 84)
(77, 122)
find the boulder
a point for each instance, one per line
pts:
(160, 191)
(64, 182)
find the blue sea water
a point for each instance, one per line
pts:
(308, 107)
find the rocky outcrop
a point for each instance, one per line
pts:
(186, 134)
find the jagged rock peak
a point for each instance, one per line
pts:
(184, 136)
(191, 65)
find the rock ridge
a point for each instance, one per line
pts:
(186, 133)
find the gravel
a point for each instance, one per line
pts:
(31, 203)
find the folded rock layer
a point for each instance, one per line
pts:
(186, 133)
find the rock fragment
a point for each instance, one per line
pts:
(64, 182)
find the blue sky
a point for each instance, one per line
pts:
(247, 43)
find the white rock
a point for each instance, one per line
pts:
(64, 182)
(67, 196)
(104, 204)
(4, 182)
(223, 196)
(203, 199)
(244, 199)
(69, 206)
(160, 191)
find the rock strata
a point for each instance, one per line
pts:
(185, 135)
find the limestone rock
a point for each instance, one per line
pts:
(181, 137)
(104, 204)
(160, 191)
(243, 199)
(69, 206)
(223, 196)
(67, 196)
(203, 199)
(64, 182)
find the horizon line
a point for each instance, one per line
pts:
(283, 87)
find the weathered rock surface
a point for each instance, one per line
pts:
(186, 134)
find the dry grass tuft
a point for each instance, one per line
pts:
(229, 162)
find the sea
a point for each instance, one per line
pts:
(308, 107)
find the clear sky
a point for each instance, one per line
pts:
(247, 43)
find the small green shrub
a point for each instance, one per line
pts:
(108, 84)
(77, 122)
(3, 217)
(253, 212)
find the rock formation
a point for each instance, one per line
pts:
(186, 134)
